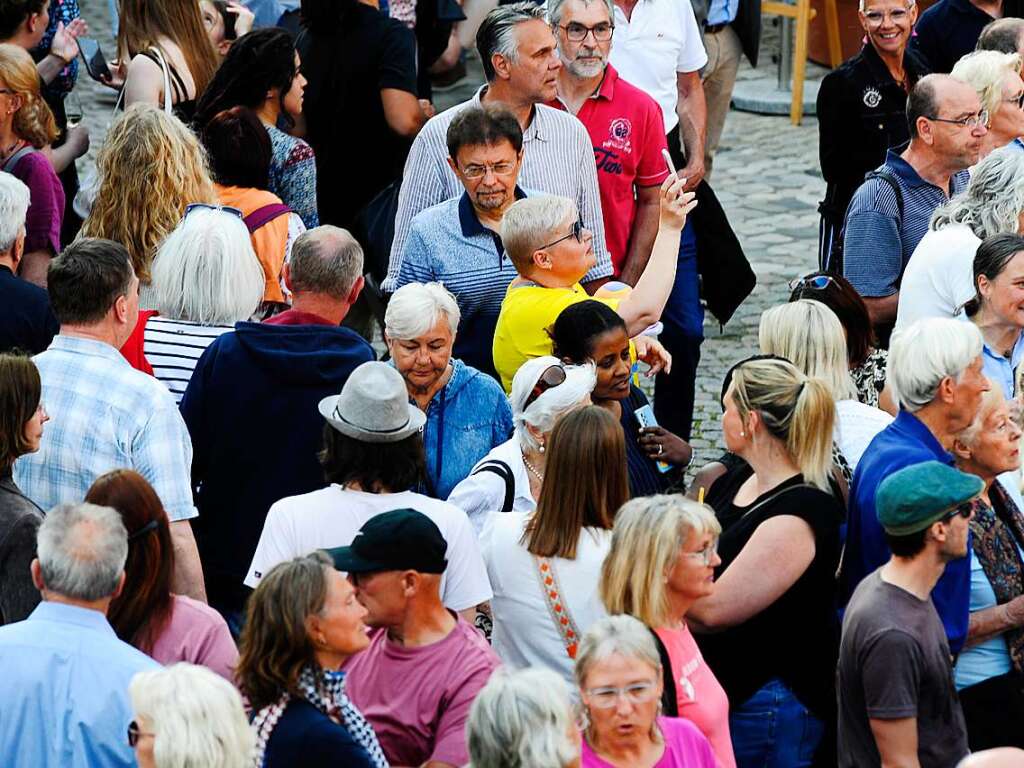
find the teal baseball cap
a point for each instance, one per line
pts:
(913, 498)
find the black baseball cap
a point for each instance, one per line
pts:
(399, 540)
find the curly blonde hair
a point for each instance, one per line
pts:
(150, 168)
(33, 121)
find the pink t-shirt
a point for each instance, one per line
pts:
(685, 747)
(196, 633)
(418, 699)
(699, 696)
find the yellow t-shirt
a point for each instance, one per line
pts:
(526, 314)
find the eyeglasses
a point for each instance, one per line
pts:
(479, 171)
(606, 698)
(577, 33)
(208, 207)
(577, 232)
(971, 121)
(135, 733)
(1018, 100)
(552, 376)
(706, 555)
(152, 525)
(813, 282)
(964, 510)
(898, 15)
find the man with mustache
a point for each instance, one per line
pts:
(625, 126)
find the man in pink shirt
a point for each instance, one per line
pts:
(424, 666)
(625, 125)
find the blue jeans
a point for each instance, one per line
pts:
(772, 729)
(683, 319)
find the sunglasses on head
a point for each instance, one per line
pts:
(208, 207)
(135, 733)
(551, 377)
(812, 282)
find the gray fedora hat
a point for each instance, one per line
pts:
(373, 406)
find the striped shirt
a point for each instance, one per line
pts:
(448, 244)
(173, 347)
(105, 415)
(558, 159)
(878, 240)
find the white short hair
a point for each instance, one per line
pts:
(863, 4)
(925, 353)
(552, 404)
(415, 308)
(985, 72)
(82, 549)
(532, 222)
(522, 719)
(206, 270)
(196, 715)
(14, 200)
(621, 634)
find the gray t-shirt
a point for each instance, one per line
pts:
(894, 663)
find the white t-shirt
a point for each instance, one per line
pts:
(856, 426)
(481, 493)
(659, 39)
(332, 516)
(939, 277)
(524, 633)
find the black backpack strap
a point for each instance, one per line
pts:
(669, 705)
(889, 178)
(504, 471)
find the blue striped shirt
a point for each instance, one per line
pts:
(877, 242)
(447, 243)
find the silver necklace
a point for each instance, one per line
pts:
(532, 469)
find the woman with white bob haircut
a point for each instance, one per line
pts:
(510, 476)
(188, 717)
(206, 278)
(810, 336)
(938, 279)
(995, 76)
(467, 413)
(523, 719)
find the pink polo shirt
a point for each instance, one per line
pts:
(699, 696)
(628, 133)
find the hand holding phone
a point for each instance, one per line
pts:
(95, 63)
(668, 162)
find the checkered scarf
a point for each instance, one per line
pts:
(325, 690)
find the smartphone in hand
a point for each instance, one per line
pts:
(645, 417)
(94, 60)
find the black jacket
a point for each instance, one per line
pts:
(862, 112)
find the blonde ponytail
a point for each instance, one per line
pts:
(810, 432)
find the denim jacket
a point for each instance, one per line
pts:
(468, 417)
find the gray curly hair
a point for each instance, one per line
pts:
(993, 200)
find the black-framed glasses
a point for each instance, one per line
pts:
(964, 510)
(971, 121)
(209, 207)
(551, 377)
(577, 33)
(813, 282)
(577, 232)
(135, 733)
(1018, 100)
(149, 527)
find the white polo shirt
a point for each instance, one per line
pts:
(332, 516)
(660, 39)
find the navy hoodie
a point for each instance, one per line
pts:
(251, 409)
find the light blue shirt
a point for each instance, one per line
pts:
(105, 415)
(64, 697)
(723, 11)
(999, 370)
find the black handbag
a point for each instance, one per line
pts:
(375, 230)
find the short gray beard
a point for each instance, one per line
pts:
(578, 69)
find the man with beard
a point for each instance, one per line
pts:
(625, 126)
(458, 242)
(890, 211)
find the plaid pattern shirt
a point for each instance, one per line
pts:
(105, 415)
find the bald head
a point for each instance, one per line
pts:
(326, 260)
(1004, 757)
(939, 96)
(1003, 35)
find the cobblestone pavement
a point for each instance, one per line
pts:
(766, 175)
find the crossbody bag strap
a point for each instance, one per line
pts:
(13, 160)
(557, 608)
(776, 495)
(504, 471)
(168, 107)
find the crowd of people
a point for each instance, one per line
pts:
(324, 438)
